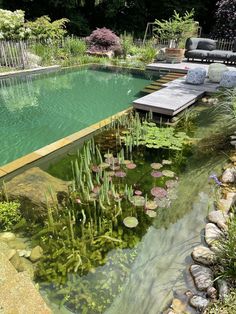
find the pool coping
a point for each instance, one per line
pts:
(37, 155)
(30, 71)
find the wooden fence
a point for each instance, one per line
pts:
(13, 54)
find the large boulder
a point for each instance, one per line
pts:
(36, 190)
(33, 60)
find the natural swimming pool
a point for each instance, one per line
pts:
(36, 110)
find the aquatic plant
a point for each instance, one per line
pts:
(150, 135)
(130, 222)
(156, 174)
(156, 165)
(168, 173)
(215, 178)
(158, 192)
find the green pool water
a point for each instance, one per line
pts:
(36, 110)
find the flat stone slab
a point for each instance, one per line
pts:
(202, 276)
(169, 101)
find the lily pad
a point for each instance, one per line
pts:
(120, 174)
(151, 213)
(151, 205)
(156, 174)
(131, 166)
(158, 192)
(130, 222)
(156, 165)
(104, 165)
(168, 173)
(108, 155)
(138, 200)
(166, 162)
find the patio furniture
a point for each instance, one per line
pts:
(196, 76)
(206, 50)
(215, 72)
(228, 79)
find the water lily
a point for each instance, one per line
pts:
(166, 162)
(156, 165)
(168, 173)
(137, 192)
(151, 213)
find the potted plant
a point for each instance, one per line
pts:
(176, 30)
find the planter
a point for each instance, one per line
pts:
(174, 55)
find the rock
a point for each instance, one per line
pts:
(199, 303)
(33, 61)
(27, 266)
(16, 262)
(219, 218)
(36, 254)
(203, 277)
(17, 244)
(161, 56)
(212, 234)
(8, 252)
(229, 175)
(36, 190)
(222, 288)
(24, 253)
(203, 255)
(212, 293)
(7, 236)
(178, 306)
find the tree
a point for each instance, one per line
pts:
(225, 19)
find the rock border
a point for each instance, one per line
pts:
(204, 256)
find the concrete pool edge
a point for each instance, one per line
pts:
(20, 163)
(30, 71)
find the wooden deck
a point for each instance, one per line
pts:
(170, 95)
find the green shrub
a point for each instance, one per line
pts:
(75, 47)
(9, 215)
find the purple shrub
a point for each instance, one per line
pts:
(225, 19)
(103, 40)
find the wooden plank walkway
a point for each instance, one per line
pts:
(169, 100)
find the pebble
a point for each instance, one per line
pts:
(199, 303)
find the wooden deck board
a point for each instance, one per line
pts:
(169, 100)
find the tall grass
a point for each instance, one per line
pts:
(226, 252)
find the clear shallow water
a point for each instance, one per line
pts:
(37, 110)
(159, 270)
